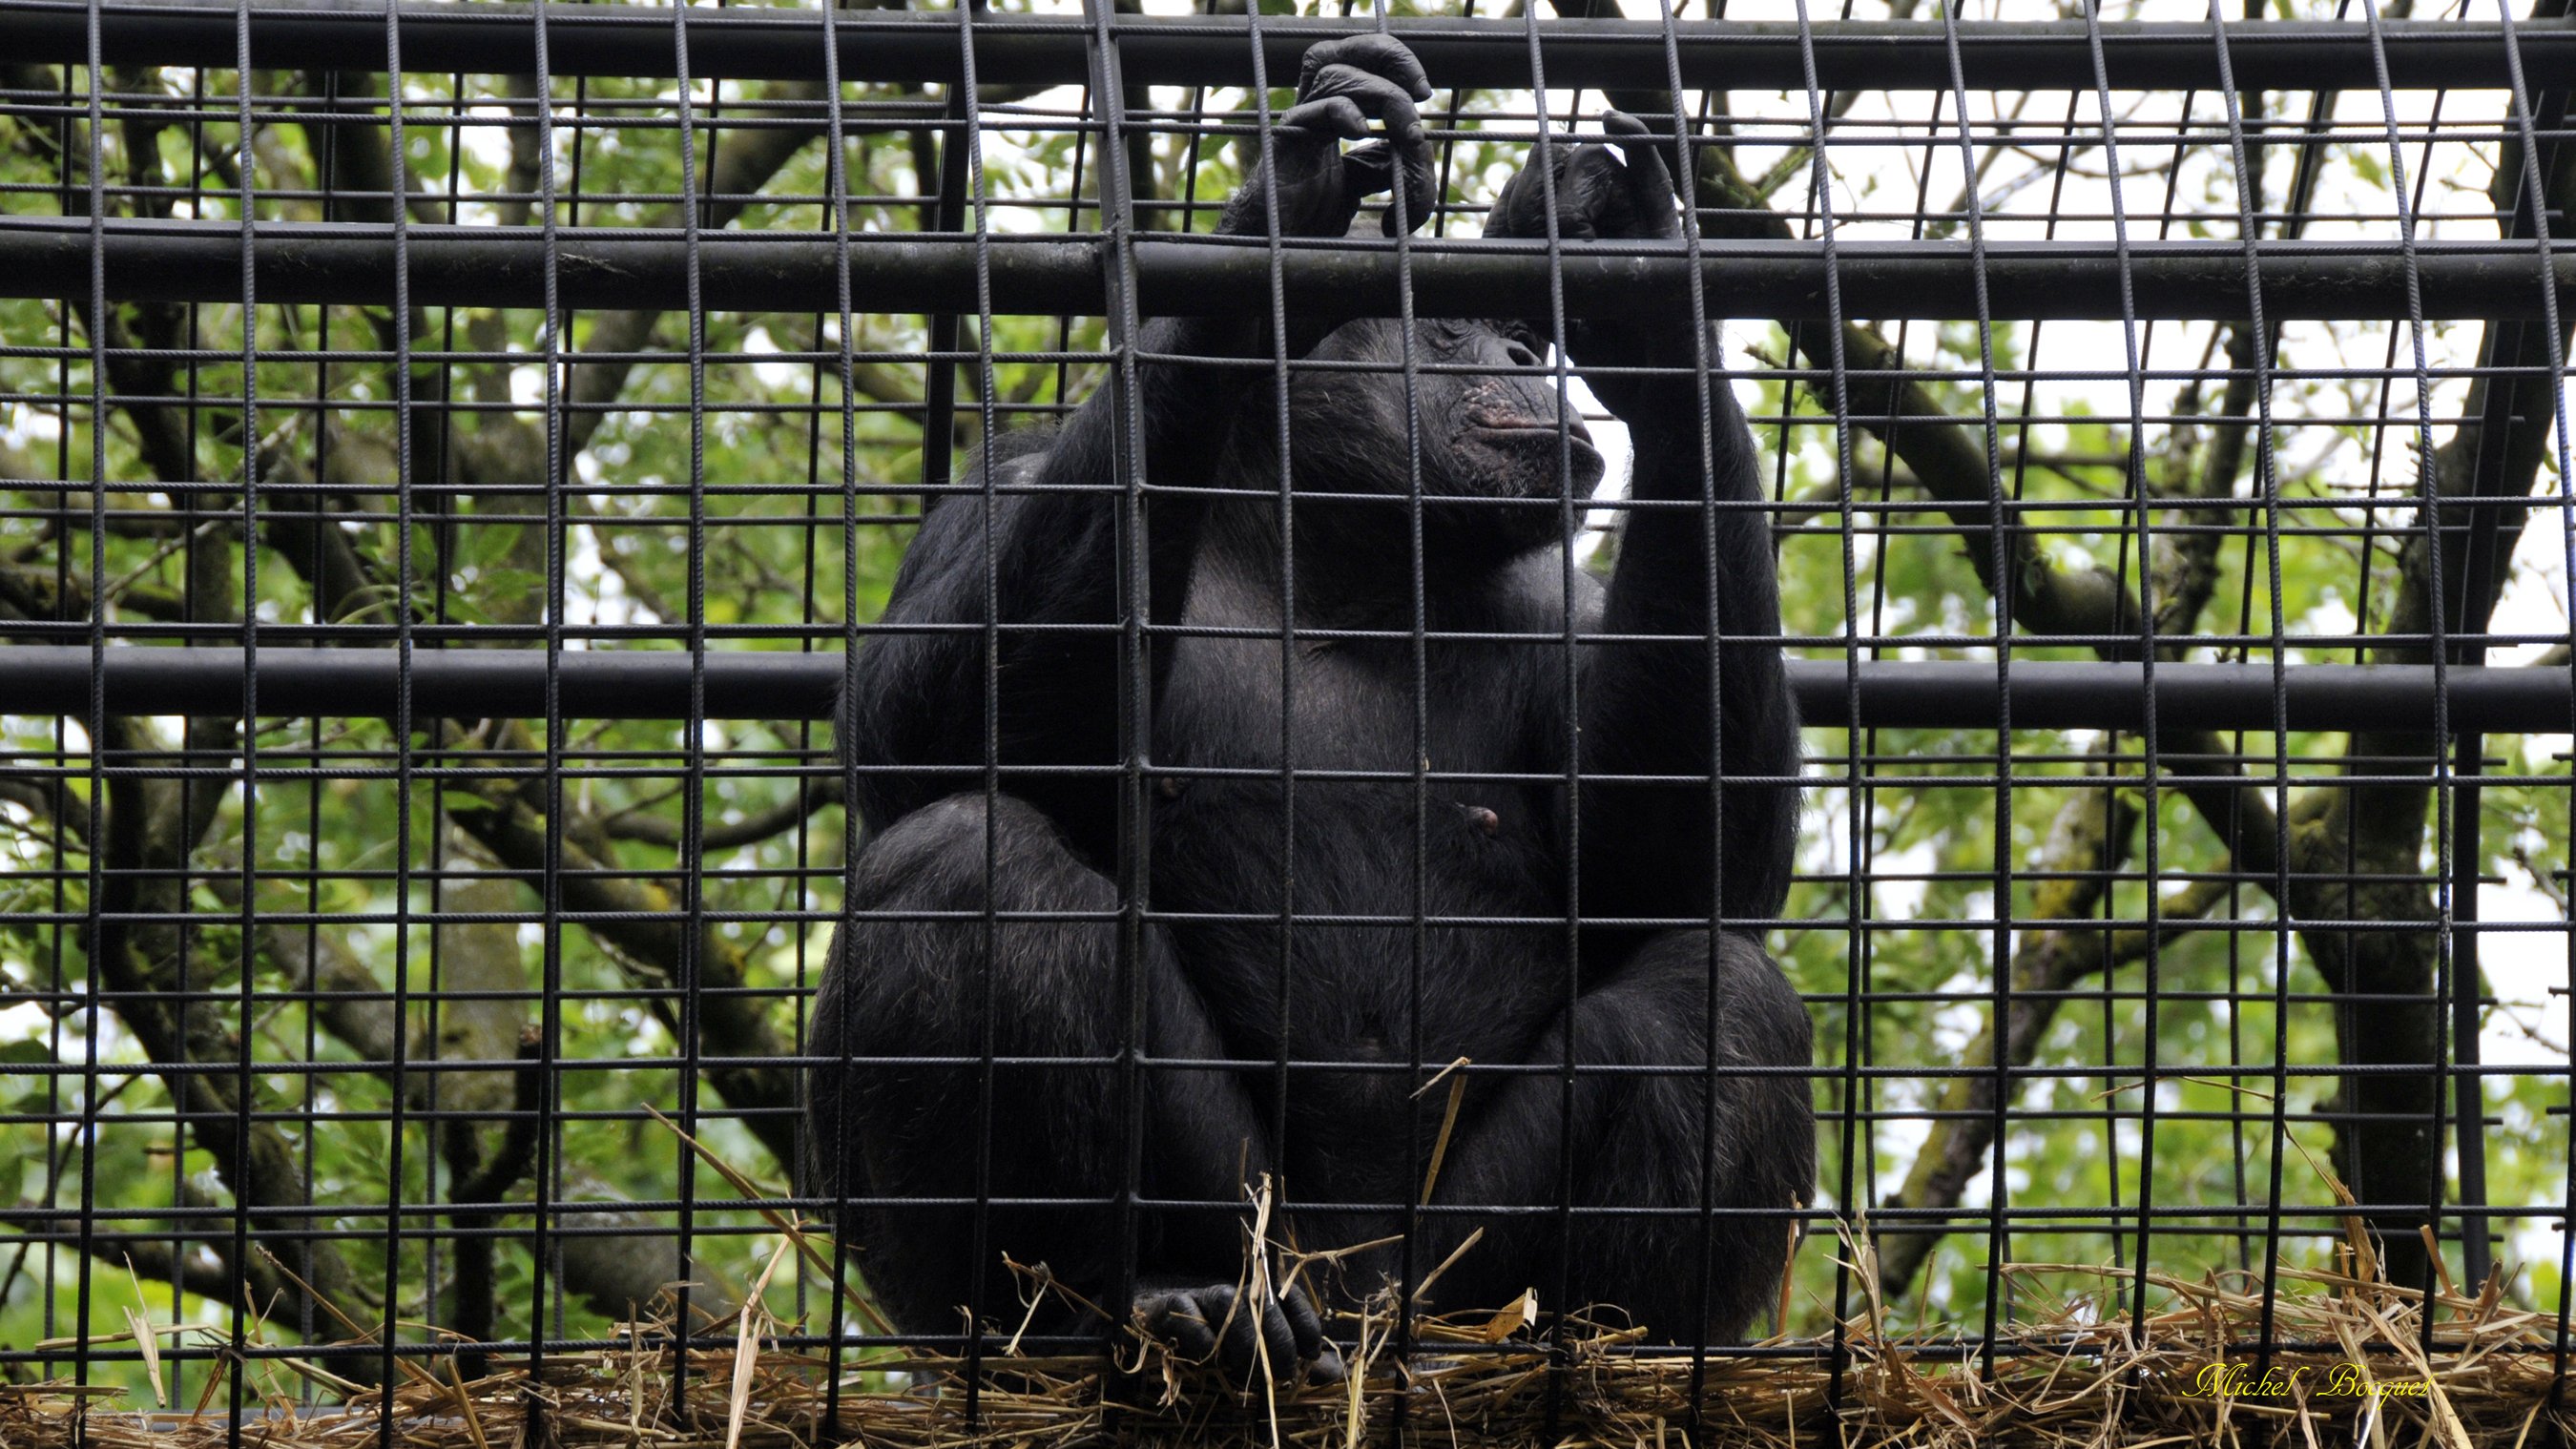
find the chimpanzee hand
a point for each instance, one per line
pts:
(1212, 1322)
(1599, 199)
(1344, 85)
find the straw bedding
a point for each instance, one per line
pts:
(2356, 1369)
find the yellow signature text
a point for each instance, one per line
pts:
(2337, 1381)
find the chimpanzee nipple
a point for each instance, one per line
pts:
(1484, 819)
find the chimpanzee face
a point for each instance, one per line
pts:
(1484, 424)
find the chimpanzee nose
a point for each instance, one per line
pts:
(1520, 356)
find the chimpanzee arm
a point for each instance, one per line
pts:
(1656, 850)
(1660, 850)
(1044, 555)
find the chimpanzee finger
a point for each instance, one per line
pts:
(1179, 1318)
(1393, 107)
(1239, 1336)
(1522, 210)
(1516, 210)
(1593, 193)
(1321, 1356)
(1278, 1341)
(1649, 180)
(1374, 94)
(1368, 170)
(1303, 1321)
(1413, 161)
(1382, 54)
(1335, 116)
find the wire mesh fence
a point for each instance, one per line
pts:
(1331, 765)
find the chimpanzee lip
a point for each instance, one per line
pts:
(1521, 437)
(1530, 427)
(1489, 418)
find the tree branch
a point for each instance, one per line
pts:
(648, 932)
(2087, 844)
(811, 796)
(138, 954)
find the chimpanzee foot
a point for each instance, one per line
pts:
(1207, 1323)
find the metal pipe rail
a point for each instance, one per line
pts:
(485, 38)
(39, 679)
(353, 264)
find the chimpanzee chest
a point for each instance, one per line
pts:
(1364, 912)
(1370, 930)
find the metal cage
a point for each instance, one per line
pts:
(432, 536)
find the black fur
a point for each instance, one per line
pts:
(912, 975)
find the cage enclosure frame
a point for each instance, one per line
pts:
(442, 784)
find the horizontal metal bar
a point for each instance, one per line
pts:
(352, 264)
(38, 679)
(758, 43)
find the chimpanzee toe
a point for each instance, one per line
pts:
(1214, 1324)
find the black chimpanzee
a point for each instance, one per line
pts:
(1230, 987)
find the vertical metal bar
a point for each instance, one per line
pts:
(2467, 862)
(2268, 483)
(2150, 749)
(2000, 531)
(246, 1001)
(1568, 517)
(441, 515)
(544, 1250)
(327, 176)
(689, 977)
(1266, 139)
(1820, 186)
(1704, 374)
(1858, 1088)
(939, 379)
(2408, 208)
(58, 831)
(2459, 950)
(1118, 271)
(102, 935)
(970, 144)
(1442, 213)
(405, 767)
(837, 193)
(812, 791)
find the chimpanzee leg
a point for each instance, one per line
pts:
(886, 1128)
(1639, 1140)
